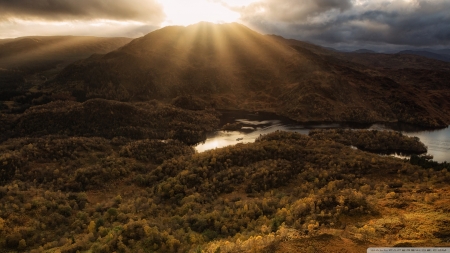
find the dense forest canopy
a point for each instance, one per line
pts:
(92, 193)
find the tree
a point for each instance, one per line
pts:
(22, 244)
(91, 227)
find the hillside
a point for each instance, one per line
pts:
(27, 62)
(442, 56)
(233, 67)
(198, 59)
(285, 192)
(364, 51)
(26, 53)
(109, 119)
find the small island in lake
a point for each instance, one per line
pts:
(373, 140)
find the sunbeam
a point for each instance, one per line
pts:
(194, 11)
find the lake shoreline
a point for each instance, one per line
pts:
(255, 124)
(394, 125)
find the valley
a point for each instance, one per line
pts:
(101, 145)
(244, 127)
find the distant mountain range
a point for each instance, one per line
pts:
(364, 51)
(230, 66)
(442, 54)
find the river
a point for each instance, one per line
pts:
(437, 141)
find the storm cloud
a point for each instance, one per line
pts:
(354, 23)
(57, 10)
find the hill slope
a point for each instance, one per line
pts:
(437, 56)
(235, 67)
(202, 58)
(29, 61)
(26, 52)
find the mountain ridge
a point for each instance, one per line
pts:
(235, 67)
(428, 54)
(15, 52)
(27, 62)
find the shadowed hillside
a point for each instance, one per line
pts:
(109, 119)
(198, 59)
(234, 67)
(27, 62)
(404, 88)
(27, 53)
(437, 56)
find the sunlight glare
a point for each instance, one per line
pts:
(194, 11)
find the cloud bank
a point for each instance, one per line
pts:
(416, 23)
(55, 10)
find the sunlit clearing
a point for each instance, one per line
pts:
(193, 11)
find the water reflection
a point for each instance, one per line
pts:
(438, 143)
(254, 125)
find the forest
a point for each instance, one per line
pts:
(65, 192)
(107, 118)
(373, 141)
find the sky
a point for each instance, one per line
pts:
(341, 24)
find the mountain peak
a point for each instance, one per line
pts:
(235, 67)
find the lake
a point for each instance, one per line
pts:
(437, 141)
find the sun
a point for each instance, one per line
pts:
(183, 12)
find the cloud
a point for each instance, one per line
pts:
(357, 22)
(57, 10)
(291, 11)
(335, 23)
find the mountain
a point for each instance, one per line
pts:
(444, 51)
(29, 61)
(3, 41)
(25, 52)
(364, 51)
(431, 55)
(235, 67)
(202, 58)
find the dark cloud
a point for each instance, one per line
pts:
(335, 23)
(293, 10)
(376, 22)
(53, 10)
